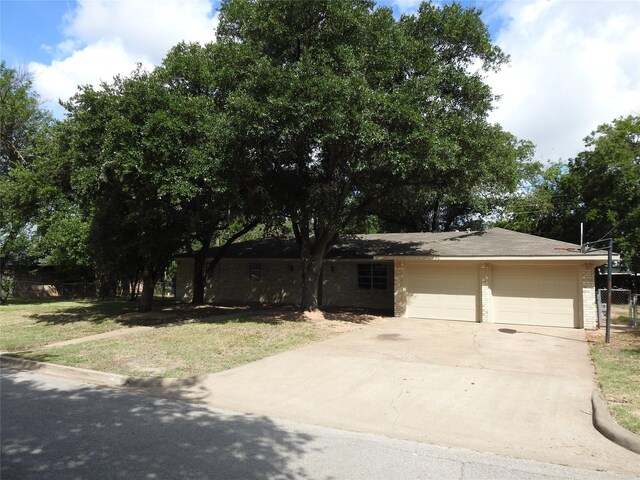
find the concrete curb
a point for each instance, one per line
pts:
(607, 426)
(96, 377)
(80, 374)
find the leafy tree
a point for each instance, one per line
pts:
(600, 187)
(225, 205)
(467, 202)
(335, 105)
(608, 175)
(25, 141)
(131, 151)
(22, 120)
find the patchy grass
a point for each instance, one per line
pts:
(620, 315)
(27, 323)
(618, 372)
(191, 349)
(33, 323)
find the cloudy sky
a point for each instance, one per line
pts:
(574, 64)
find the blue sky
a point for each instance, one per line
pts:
(574, 64)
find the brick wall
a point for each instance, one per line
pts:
(184, 280)
(340, 287)
(400, 291)
(485, 297)
(589, 312)
(281, 284)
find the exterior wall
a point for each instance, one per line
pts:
(280, 282)
(485, 293)
(588, 297)
(340, 287)
(400, 290)
(184, 280)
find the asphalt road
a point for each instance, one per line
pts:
(59, 429)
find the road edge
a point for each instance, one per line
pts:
(94, 376)
(607, 426)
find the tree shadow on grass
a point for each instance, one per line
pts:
(124, 313)
(93, 432)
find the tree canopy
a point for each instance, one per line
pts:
(600, 187)
(330, 116)
(337, 105)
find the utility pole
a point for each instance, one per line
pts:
(603, 244)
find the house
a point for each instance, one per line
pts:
(496, 276)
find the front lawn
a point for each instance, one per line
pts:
(28, 323)
(189, 349)
(32, 323)
(186, 340)
(618, 372)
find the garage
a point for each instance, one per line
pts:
(535, 295)
(447, 292)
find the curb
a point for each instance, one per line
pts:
(96, 377)
(80, 374)
(607, 426)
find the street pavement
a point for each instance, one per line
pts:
(53, 428)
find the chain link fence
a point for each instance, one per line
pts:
(35, 289)
(624, 307)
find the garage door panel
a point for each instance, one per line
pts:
(442, 292)
(535, 295)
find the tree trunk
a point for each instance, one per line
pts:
(146, 298)
(311, 273)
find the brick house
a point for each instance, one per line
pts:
(496, 276)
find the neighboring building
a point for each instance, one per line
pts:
(496, 276)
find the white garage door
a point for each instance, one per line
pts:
(535, 295)
(442, 292)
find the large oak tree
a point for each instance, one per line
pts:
(335, 105)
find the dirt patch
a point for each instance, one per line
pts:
(621, 336)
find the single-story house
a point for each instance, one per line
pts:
(496, 276)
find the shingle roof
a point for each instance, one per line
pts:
(495, 242)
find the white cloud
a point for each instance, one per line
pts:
(104, 38)
(147, 27)
(574, 66)
(99, 61)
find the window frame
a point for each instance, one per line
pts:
(372, 277)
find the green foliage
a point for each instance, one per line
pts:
(336, 105)
(22, 120)
(608, 174)
(600, 187)
(39, 222)
(131, 146)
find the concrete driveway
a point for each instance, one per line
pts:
(518, 391)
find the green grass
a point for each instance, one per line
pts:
(618, 371)
(187, 349)
(32, 323)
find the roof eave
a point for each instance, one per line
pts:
(561, 258)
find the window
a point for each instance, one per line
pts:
(255, 271)
(372, 276)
